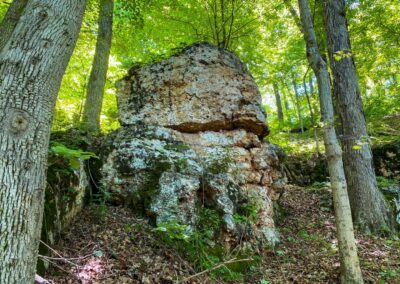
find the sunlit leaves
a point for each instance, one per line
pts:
(342, 54)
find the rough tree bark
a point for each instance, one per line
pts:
(312, 116)
(369, 209)
(10, 20)
(278, 101)
(349, 263)
(32, 64)
(98, 75)
(298, 106)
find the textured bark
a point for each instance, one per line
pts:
(349, 263)
(31, 68)
(98, 75)
(10, 20)
(370, 211)
(312, 116)
(298, 106)
(278, 101)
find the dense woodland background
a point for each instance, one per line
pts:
(264, 35)
(283, 44)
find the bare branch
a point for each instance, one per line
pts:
(293, 12)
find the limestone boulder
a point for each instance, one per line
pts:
(202, 88)
(191, 138)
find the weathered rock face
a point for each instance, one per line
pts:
(201, 89)
(190, 139)
(65, 193)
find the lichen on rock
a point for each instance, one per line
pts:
(192, 137)
(203, 88)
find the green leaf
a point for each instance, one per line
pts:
(62, 150)
(337, 57)
(75, 163)
(161, 229)
(98, 253)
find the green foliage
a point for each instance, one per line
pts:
(174, 231)
(101, 199)
(385, 182)
(247, 213)
(74, 156)
(342, 54)
(375, 34)
(200, 248)
(221, 163)
(389, 274)
(264, 36)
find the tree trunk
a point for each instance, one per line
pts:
(349, 263)
(370, 211)
(278, 101)
(285, 100)
(98, 75)
(10, 20)
(31, 68)
(312, 116)
(298, 106)
(312, 94)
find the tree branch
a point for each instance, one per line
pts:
(293, 12)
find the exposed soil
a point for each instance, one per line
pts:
(121, 248)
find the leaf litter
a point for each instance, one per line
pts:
(123, 249)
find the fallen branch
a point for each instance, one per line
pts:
(59, 267)
(41, 280)
(65, 258)
(234, 260)
(61, 257)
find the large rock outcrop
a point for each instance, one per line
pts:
(202, 89)
(191, 138)
(67, 186)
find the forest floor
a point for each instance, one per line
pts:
(121, 248)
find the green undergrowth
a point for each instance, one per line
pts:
(296, 143)
(199, 246)
(385, 182)
(381, 130)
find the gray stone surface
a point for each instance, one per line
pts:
(203, 88)
(191, 137)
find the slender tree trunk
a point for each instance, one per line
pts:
(215, 16)
(98, 75)
(285, 102)
(312, 94)
(10, 20)
(228, 43)
(311, 115)
(31, 68)
(278, 101)
(349, 263)
(370, 212)
(298, 106)
(223, 26)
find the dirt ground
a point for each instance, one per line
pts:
(121, 248)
